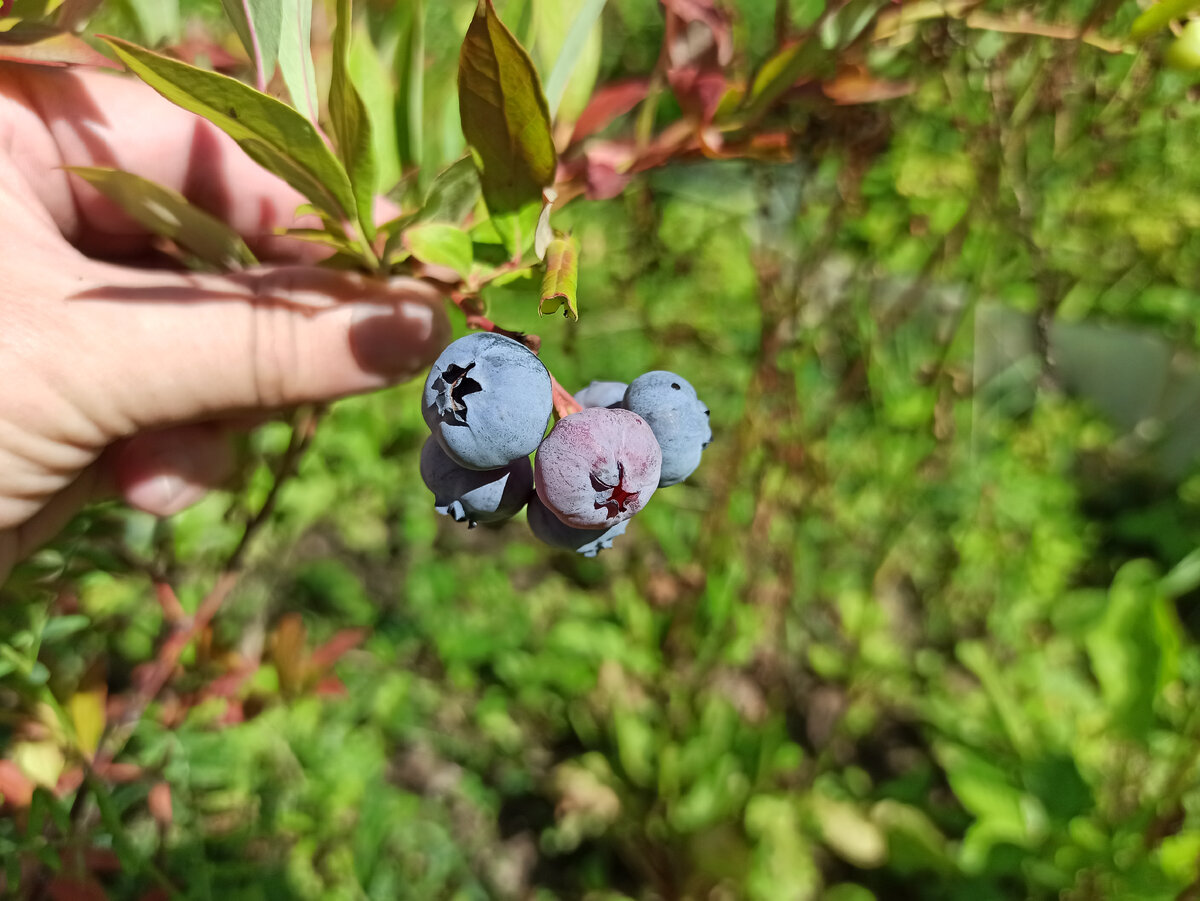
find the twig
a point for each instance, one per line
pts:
(165, 662)
(564, 403)
(187, 630)
(302, 434)
(1025, 25)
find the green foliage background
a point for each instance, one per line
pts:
(920, 626)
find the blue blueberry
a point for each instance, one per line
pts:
(678, 418)
(472, 495)
(487, 401)
(602, 394)
(553, 531)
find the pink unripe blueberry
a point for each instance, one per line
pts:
(597, 467)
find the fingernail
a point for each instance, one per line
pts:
(393, 341)
(163, 495)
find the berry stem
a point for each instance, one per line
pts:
(564, 403)
(472, 309)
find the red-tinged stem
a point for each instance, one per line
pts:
(173, 611)
(564, 403)
(476, 319)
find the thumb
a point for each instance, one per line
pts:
(171, 347)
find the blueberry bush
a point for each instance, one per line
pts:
(922, 623)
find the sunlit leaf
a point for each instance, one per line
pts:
(1135, 648)
(441, 245)
(157, 20)
(506, 121)
(295, 57)
(576, 48)
(272, 133)
(560, 283)
(41, 761)
(86, 708)
(372, 76)
(1160, 15)
(351, 124)
(258, 24)
(164, 212)
(453, 194)
(43, 45)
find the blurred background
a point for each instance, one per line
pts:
(922, 625)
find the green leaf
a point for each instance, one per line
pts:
(157, 20)
(162, 211)
(1003, 813)
(372, 76)
(848, 832)
(803, 59)
(441, 245)
(272, 133)
(60, 627)
(914, 841)
(73, 14)
(110, 816)
(560, 281)
(578, 52)
(506, 121)
(1159, 16)
(295, 57)
(351, 124)
(258, 24)
(453, 194)
(517, 229)
(32, 42)
(1134, 649)
(410, 84)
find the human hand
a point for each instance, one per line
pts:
(126, 380)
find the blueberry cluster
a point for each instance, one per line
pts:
(488, 400)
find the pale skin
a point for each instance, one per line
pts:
(117, 379)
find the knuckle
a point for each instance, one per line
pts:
(276, 359)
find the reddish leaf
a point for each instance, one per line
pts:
(197, 46)
(101, 860)
(68, 888)
(42, 45)
(70, 780)
(857, 85)
(331, 686)
(699, 91)
(118, 772)
(228, 685)
(289, 654)
(685, 42)
(604, 169)
(608, 103)
(159, 803)
(235, 712)
(329, 653)
(15, 786)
